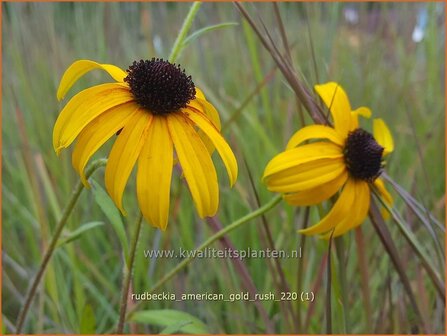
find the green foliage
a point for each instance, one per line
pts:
(71, 236)
(112, 213)
(87, 325)
(377, 63)
(174, 321)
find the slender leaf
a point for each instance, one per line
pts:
(166, 318)
(194, 36)
(73, 235)
(417, 248)
(109, 209)
(88, 321)
(390, 247)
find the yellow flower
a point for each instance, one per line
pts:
(154, 108)
(344, 157)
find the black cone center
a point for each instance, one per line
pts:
(159, 86)
(363, 155)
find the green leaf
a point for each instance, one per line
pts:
(172, 320)
(88, 321)
(73, 235)
(3, 325)
(205, 30)
(113, 215)
(174, 328)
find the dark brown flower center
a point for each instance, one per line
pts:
(363, 155)
(159, 86)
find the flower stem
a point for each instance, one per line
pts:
(128, 275)
(178, 44)
(185, 262)
(60, 226)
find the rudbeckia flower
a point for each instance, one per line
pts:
(154, 109)
(344, 158)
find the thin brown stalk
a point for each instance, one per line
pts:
(299, 89)
(315, 288)
(312, 49)
(299, 277)
(242, 271)
(288, 56)
(364, 274)
(282, 31)
(267, 236)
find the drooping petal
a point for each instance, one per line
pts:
(386, 196)
(361, 111)
(196, 163)
(97, 132)
(315, 132)
(80, 68)
(154, 173)
(383, 136)
(338, 214)
(199, 94)
(306, 176)
(358, 213)
(336, 100)
(202, 106)
(83, 108)
(302, 154)
(210, 112)
(383, 191)
(318, 194)
(219, 143)
(124, 154)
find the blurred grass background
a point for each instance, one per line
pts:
(369, 48)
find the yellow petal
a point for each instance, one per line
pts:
(361, 111)
(318, 194)
(306, 176)
(383, 191)
(302, 154)
(339, 212)
(358, 212)
(386, 196)
(383, 136)
(124, 154)
(154, 173)
(80, 68)
(199, 94)
(97, 132)
(210, 112)
(218, 141)
(83, 108)
(336, 100)
(315, 132)
(196, 163)
(201, 105)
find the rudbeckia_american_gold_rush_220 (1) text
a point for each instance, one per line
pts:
(344, 158)
(156, 110)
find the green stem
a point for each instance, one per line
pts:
(340, 247)
(49, 253)
(128, 275)
(185, 262)
(178, 44)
